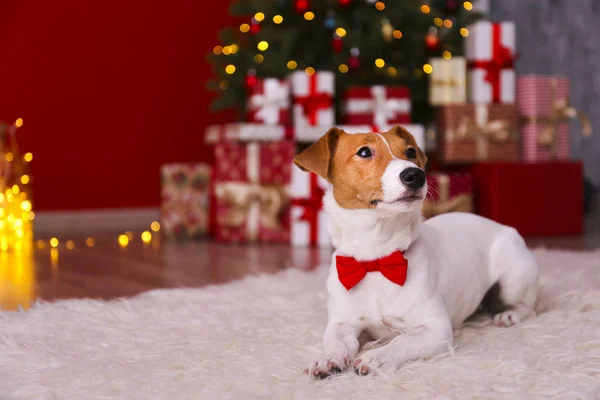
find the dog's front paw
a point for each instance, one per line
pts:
(507, 318)
(371, 361)
(328, 366)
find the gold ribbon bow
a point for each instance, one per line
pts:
(496, 130)
(242, 196)
(561, 111)
(445, 81)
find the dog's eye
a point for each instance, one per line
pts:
(411, 152)
(364, 152)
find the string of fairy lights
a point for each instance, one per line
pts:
(123, 239)
(339, 33)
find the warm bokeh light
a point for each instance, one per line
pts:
(438, 21)
(309, 15)
(464, 32)
(380, 63)
(70, 245)
(259, 16)
(123, 240)
(277, 19)
(28, 157)
(392, 71)
(447, 23)
(230, 69)
(54, 242)
(25, 179)
(309, 71)
(341, 32)
(380, 5)
(425, 9)
(146, 237)
(446, 55)
(343, 68)
(155, 226)
(218, 50)
(244, 28)
(19, 122)
(468, 5)
(9, 157)
(90, 242)
(292, 64)
(427, 68)
(262, 45)
(397, 34)
(259, 58)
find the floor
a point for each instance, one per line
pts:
(104, 268)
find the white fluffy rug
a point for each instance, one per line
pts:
(252, 340)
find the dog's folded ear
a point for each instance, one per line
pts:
(410, 140)
(318, 156)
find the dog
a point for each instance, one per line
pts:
(405, 282)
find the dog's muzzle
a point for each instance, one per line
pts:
(413, 178)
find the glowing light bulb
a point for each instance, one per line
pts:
(26, 206)
(54, 242)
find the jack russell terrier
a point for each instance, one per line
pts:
(405, 282)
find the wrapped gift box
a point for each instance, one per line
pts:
(418, 131)
(490, 52)
(246, 132)
(376, 105)
(448, 193)
(469, 133)
(251, 201)
(448, 81)
(544, 115)
(308, 219)
(313, 105)
(527, 197)
(185, 200)
(269, 102)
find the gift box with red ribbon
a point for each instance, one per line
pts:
(247, 132)
(544, 110)
(308, 219)
(312, 104)
(269, 102)
(490, 53)
(451, 192)
(526, 196)
(184, 200)
(377, 105)
(251, 200)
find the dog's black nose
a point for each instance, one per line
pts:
(413, 178)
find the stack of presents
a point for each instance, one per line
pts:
(501, 149)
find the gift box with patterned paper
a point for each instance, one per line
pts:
(469, 133)
(185, 200)
(448, 81)
(490, 52)
(313, 106)
(308, 219)
(269, 102)
(448, 193)
(246, 132)
(251, 201)
(544, 110)
(376, 105)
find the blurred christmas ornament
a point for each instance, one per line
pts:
(301, 6)
(336, 43)
(386, 29)
(254, 26)
(330, 20)
(251, 78)
(432, 40)
(451, 6)
(353, 61)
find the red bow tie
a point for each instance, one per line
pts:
(351, 272)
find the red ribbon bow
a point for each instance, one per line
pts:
(502, 58)
(351, 272)
(312, 205)
(314, 101)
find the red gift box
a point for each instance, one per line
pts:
(448, 193)
(269, 102)
(538, 199)
(377, 105)
(251, 201)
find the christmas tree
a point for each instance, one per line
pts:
(365, 42)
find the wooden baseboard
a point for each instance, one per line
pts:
(90, 222)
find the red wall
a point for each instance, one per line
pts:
(108, 91)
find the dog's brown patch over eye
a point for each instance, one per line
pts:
(355, 163)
